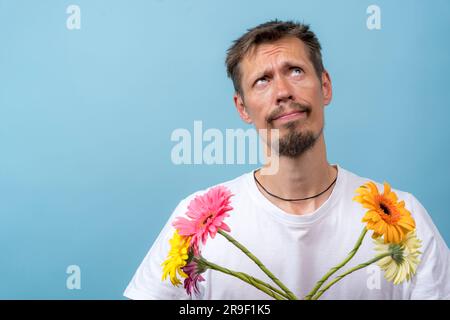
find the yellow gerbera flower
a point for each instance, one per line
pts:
(401, 265)
(177, 258)
(386, 215)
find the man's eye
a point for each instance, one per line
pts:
(296, 71)
(261, 80)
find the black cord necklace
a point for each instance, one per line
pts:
(300, 199)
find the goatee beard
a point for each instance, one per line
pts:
(295, 143)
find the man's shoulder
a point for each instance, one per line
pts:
(412, 203)
(354, 181)
(236, 185)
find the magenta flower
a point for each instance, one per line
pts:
(206, 213)
(193, 271)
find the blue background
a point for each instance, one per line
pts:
(86, 117)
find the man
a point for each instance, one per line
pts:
(301, 220)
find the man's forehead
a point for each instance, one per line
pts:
(289, 46)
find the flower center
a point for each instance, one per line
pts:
(206, 220)
(385, 209)
(390, 213)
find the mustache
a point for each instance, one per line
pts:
(293, 106)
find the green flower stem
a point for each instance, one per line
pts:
(281, 293)
(242, 276)
(336, 268)
(259, 263)
(360, 266)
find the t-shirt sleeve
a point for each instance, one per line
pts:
(147, 283)
(432, 280)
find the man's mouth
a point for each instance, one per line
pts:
(291, 115)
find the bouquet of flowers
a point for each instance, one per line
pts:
(396, 245)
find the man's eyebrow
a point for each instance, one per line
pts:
(286, 65)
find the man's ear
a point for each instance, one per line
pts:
(240, 107)
(327, 88)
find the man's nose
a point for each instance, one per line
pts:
(283, 91)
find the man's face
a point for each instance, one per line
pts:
(281, 90)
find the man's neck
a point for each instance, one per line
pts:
(301, 177)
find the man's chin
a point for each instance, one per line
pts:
(295, 142)
(290, 127)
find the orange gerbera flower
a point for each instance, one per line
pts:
(386, 215)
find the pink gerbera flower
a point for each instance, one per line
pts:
(206, 213)
(194, 272)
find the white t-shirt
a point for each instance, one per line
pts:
(299, 250)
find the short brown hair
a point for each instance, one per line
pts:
(269, 32)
